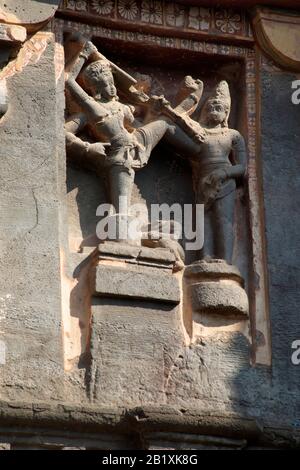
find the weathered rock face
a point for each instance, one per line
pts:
(32, 153)
(123, 342)
(281, 193)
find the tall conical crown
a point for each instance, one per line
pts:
(222, 95)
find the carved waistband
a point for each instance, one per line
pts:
(207, 168)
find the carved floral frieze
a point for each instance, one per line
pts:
(159, 13)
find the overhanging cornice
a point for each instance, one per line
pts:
(30, 13)
(278, 34)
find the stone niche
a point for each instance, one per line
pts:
(167, 178)
(134, 317)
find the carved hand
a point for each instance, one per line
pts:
(81, 39)
(218, 176)
(192, 84)
(96, 150)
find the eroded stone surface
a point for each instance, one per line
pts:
(12, 33)
(226, 298)
(31, 145)
(132, 346)
(27, 12)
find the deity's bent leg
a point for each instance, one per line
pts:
(223, 209)
(120, 181)
(150, 135)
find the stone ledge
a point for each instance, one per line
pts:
(156, 257)
(62, 418)
(147, 418)
(214, 269)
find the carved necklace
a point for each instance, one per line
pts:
(219, 130)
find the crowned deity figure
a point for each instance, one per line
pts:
(218, 158)
(120, 145)
(119, 148)
(222, 161)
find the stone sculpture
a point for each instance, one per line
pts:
(121, 146)
(208, 144)
(214, 286)
(120, 149)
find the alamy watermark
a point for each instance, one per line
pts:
(135, 222)
(296, 93)
(295, 358)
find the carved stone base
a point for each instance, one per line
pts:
(136, 272)
(215, 287)
(134, 323)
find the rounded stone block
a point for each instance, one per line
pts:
(216, 287)
(221, 297)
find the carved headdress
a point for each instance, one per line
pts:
(96, 70)
(221, 95)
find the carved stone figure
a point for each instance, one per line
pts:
(120, 148)
(215, 176)
(209, 145)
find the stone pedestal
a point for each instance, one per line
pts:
(135, 327)
(215, 287)
(137, 273)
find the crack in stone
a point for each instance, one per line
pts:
(36, 212)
